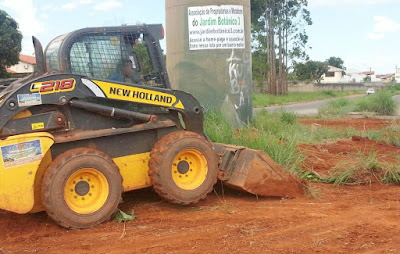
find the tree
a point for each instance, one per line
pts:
(278, 32)
(311, 70)
(367, 78)
(336, 62)
(260, 68)
(10, 42)
(143, 58)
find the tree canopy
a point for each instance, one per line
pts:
(278, 32)
(310, 70)
(10, 42)
(336, 62)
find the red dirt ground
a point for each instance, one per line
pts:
(322, 157)
(357, 123)
(334, 219)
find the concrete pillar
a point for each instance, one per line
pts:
(209, 54)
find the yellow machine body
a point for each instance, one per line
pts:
(22, 157)
(134, 170)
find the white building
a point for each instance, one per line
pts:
(397, 75)
(334, 75)
(355, 76)
(26, 64)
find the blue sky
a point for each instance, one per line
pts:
(364, 33)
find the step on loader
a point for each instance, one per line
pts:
(95, 120)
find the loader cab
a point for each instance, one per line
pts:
(125, 54)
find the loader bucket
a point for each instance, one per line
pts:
(255, 172)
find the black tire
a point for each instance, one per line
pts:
(164, 167)
(61, 193)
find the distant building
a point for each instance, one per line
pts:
(386, 78)
(368, 73)
(334, 75)
(397, 75)
(25, 65)
(355, 76)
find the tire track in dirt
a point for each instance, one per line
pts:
(341, 220)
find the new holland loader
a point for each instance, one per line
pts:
(90, 123)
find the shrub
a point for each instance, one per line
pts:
(339, 107)
(288, 117)
(329, 93)
(382, 103)
(265, 134)
(341, 102)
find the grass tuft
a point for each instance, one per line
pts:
(381, 103)
(366, 170)
(288, 118)
(264, 134)
(341, 177)
(279, 134)
(391, 174)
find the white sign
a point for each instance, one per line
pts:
(216, 27)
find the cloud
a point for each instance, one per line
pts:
(72, 5)
(107, 5)
(25, 14)
(47, 8)
(383, 25)
(380, 63)
(322, 3)
(69, 6)
(375, 36)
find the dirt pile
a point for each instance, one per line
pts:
(356, 123)
(323, 157)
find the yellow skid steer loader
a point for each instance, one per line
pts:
(93, 121)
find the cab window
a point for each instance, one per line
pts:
(106, 56)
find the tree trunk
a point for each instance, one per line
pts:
(285, 32)
(280, 67)
(267, 39)
(272, 58)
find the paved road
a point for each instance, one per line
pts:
(397, 99)
(309, 108)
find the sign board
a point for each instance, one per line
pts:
(21, 153)
(216, 27)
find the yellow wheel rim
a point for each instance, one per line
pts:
(189, 169)
(86, 191)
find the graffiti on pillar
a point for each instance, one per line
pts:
(239, 69)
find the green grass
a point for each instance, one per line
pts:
(391, 174)
(340, 177)
(279, 134)
(366, 170)
(381, 103)
(264, 134)
(389, 135)
(263, 100)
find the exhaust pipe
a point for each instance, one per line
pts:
(40, 62)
